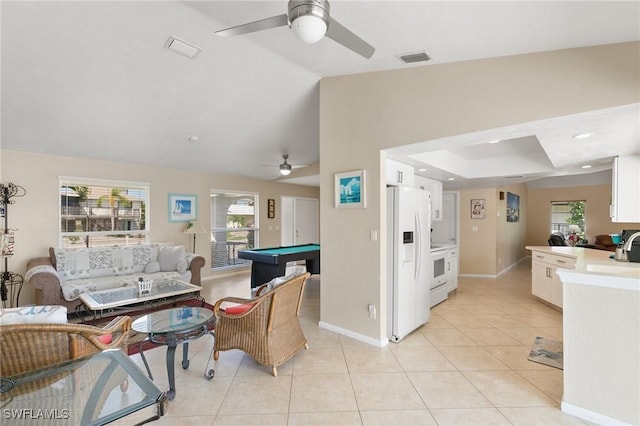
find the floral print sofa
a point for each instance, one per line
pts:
(66, 273)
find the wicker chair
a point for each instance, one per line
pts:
(269, 330)
(27, 347)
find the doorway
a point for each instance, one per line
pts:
(299, 221)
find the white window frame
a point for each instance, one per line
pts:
(83, 181)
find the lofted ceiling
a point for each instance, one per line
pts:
(93, 79)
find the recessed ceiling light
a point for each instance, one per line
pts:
(494, 141)
(586, 166)
(193, 139)
(451, 179)
(583, 135)
(182, 47)
(422, 170)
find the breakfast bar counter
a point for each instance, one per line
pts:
(601, 335)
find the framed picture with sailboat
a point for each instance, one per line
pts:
(350, 190)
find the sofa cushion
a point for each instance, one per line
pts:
(169, 257)
(152, 267)
(130, 259)
(78, 263)
(34, 314)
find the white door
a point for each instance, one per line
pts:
(305, 221)
(299, 224)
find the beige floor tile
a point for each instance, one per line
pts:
(469, 417)
(540, 416)
(436, 321)
(480, 309)
(385, 391)
(534, 319)
(502, 321)
(250, 367)
(488, 336)
(525, 336)
(413, 358)
(228, 363)
(416, 338)
(447, 337)
(183, 421)
(507, 389)
(247, 395)
(322, 393)
(320, 361)
(472, 358)
(251, 420)
(447, 390)
(367, 359)
(397, 418)
(344, 418)
(549, 380)
(198, 396)
(465, 320)
(516, 357)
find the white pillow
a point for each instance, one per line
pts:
(169, 257)
(48, 314)
(152, 267)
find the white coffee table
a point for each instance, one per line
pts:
(123, 296)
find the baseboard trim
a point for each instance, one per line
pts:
(356, 336)
(590, 416)
(495, 275)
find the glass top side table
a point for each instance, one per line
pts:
(172, 327)
(93, 390)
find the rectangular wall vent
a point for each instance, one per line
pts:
(412, 58)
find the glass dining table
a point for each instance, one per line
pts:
(93, 390)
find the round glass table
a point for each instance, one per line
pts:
(172, 327)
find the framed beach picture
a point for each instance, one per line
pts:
(513, 207)
(182, 208)
(350, 190)
(478, 210)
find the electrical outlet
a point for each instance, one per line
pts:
(372, 311)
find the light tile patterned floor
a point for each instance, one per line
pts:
(468, 366)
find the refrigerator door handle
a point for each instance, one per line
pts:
(418, 245)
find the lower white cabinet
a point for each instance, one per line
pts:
(451, 269)
(545, 282)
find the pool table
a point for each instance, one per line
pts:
(269, 263)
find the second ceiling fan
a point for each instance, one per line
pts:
(310, 21)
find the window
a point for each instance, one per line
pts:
(102, 213)
(568, 216)
(234, 226)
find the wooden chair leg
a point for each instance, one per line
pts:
(306, 346)
(216, 355)
(275, 372)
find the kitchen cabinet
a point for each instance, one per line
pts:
(545, 282)
(435, 188)
(625, 197)
(451, 260)
(399, 174)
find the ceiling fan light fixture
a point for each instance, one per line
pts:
(309, 19)
(309, 28)
(285, 168)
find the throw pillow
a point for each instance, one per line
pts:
(181, 267)
(152, 267)
(34, 314)
(170, 256)
(238, 309)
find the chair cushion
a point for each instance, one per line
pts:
(47, 314)
(106, 338)
(238, 309)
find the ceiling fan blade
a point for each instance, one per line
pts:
(263, 24)
(299, 166)
(340, 34)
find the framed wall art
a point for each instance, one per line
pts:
(513, 207)
(271, 208)
(182, 208)
(478, 209)
(350, 190)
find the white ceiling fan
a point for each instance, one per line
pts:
(310, 21)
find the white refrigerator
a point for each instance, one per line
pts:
(409, 269)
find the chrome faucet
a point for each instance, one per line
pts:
(628, 243)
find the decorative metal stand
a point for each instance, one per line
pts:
(10, 283)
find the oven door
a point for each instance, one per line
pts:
(439, 272)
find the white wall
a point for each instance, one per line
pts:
(36, 216)
(363, 114)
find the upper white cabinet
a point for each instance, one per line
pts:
(399, 174)
(625, 197)
(435, 188)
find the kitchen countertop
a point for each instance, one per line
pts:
(443, 246)
(594, 267)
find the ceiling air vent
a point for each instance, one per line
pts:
(412, 58)
(182, 47)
